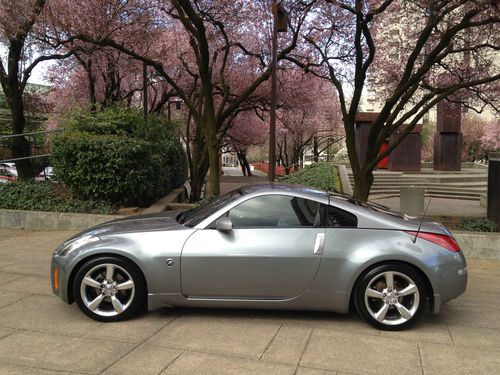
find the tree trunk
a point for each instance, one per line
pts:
(315, 149)
(198, 178)
(362, 184)
(210, 133)
(198, 165)
(92, 93)
(245, 167)
(20, 146)
(242, 164)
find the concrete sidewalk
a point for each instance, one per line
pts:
(440, 206)
(39, 334)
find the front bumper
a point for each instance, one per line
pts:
(59, 277)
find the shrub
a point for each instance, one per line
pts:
(115, 156)
(477, 224)
(46, 196)
(322, 175)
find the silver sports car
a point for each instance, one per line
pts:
(271, 246)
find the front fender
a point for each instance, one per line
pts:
(148, 250)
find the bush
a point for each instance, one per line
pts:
(46, 196)
(477, 224)
(323, 176)
(115, 156)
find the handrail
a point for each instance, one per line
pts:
(7, 136)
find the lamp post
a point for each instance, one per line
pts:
(280, 20)
(145, 90)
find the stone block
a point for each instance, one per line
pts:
(449, 117)
(483, 200)
(493, 202)
(412, 200)
(447, 151)
(407, 155)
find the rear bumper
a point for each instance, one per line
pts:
(452, 281)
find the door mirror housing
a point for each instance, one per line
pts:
(224, 224)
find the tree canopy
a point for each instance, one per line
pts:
(214, 57)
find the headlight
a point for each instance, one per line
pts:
(79, 242)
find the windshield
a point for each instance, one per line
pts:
(194, 216)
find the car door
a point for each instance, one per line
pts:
(273, 251)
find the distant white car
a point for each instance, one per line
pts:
(8, 172)
(46, 174)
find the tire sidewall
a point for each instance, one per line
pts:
(138, 300)
(362, 284)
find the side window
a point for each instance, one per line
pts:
(274, 211)
(334, 217)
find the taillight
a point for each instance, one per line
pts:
(439, 239)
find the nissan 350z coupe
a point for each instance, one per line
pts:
(270, 246)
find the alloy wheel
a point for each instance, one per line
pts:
(107, 290)
(392, 298)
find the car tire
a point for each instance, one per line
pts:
(390, 297)
(109, 299)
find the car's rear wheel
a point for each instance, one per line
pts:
(109, 289)
(390, 296)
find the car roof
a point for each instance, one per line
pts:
(273, 187)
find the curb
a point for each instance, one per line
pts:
(42, 220)
(479, 245)
(175, 196)
(344, 179)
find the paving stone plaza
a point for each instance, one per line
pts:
(39, 334)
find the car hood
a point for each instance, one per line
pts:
(162, 221)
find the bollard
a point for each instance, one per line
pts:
(493, 209)
(412, 200)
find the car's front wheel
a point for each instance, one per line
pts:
(390, 296)
(109, 289)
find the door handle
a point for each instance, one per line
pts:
(319, 244)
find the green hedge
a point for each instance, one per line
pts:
(46, 196)
(322, 175)
(478, 224)
(116, 157)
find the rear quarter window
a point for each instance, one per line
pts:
(334, 217)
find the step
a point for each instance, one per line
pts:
(376, 198)
(467, 193)
(434, 187)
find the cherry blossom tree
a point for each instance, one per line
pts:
(21, 24)
(490, 141)
(249, 129)
(308, 116)
(447, 50)
(227, 59)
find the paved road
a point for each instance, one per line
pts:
(233, 179)
(39, 334)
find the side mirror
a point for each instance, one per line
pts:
(224, 224)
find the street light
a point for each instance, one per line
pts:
(280, 24)
(145, 90)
